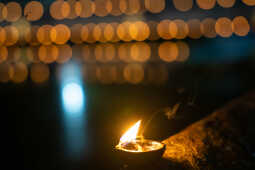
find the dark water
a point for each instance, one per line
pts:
(48, 138)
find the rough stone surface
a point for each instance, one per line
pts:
(222, 140)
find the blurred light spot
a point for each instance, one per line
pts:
(32, 54)
(130, 7)
(134, 73)
(182, 29)
(72, 94)
(12, 35)
(60, 34)
(2, 36)
(39, 73)
(183, 51)
(23, 26)
(206, 4)
(14, 54)
(123, 31)
(155, 6)
(140, 52)
(223, 27)
(43, 34)
(194, 29)
(33, 11)
(31, 35)
(87, 33)
(88, 54)
(98, 32)
(116, 8)
(84, 8)
(59, 10)
(20, 73)
(72, 13)
(5, 72)
(240, 26)
(105, 52)
(103, 7)
(168, 51)
(65, 53)
(226, 3)
(124, 52)
(164, 28)
(208, 28)
(139, 31)
(12, 12)
(249, 2)
(48, 54)
(183, 5)
(76, 33)
(1, 12)
(3, 54)
(109, 32)
(74, 102)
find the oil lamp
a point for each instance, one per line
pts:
(135, 150)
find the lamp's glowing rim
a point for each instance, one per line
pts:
(157, 146)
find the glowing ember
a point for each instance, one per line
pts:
(129, 142)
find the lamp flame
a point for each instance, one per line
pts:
(131, 134)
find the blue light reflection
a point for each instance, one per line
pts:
(74, 106)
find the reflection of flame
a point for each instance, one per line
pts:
(131, 134)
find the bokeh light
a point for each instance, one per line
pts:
(183, 51)
(84, 8)
(240, 26)
(60, 34)
(33, 11)
(64, 53)
(98, 32)
(223, 27)
(134, 73)
(116, 8)
(155, 6)
(194, 29)
(12, 12)
(103, 7)
(130, 7)
(31, 35)
(183, 5)
(48, 54)
(60, 10)
(168, 51)
(6, 71)
(2, 36)
(182, 29)
(249, 2)
(12, 35)
(208, 28)
(206, 4)
(87, 33)
(164, 28)
(123, 31)
(139, 31)
(226, 3)
(43, 34)
(39, 73)
(76, 33)
(3, 54)
(20, 72)
(140, 52)
(1, 12)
